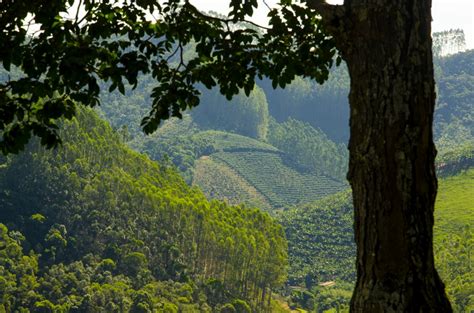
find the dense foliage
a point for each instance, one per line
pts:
(105, 228)
(296, 163)
(151, 241)
(311, 132)
(321, 241)
(454, 238)
(454, 117)
(454, 133)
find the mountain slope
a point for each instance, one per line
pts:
(321, 246)
(454, 238)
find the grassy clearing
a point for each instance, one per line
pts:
(455, 203)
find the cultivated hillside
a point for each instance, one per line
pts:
(242, 169)
(321, 246)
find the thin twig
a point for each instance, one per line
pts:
(85, 15)
(173, 54)
(266, 4)
(226, 21)
(78, 9)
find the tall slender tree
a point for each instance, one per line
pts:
(385, 43)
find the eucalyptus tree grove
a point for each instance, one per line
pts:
(385, 43)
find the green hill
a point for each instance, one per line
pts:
(242, 169)
(321, 246)
(96, 227)
(280, 184)
(302, 129)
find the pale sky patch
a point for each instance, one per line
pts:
(447, 14)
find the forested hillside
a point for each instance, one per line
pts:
(302, 158)
(454, 116)
(96, 227)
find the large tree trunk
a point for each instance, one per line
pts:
(387, 47)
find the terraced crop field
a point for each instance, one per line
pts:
(281, 185)
(218, 181)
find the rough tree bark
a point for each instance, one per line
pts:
(387, 47)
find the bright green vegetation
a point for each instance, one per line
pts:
(321, 243)
(94, 226)
(325, 299)
(280, 184)
(306, 125)
(454, 238)
(321, 247)
(455, 202)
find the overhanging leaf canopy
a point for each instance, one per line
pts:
(57, 52)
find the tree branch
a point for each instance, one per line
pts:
(333, 16)
(223, 20)
(326, 10)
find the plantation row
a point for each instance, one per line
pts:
(321, 244)
(281, 185)
(228, 141)
(321, 236)
(219, 181)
